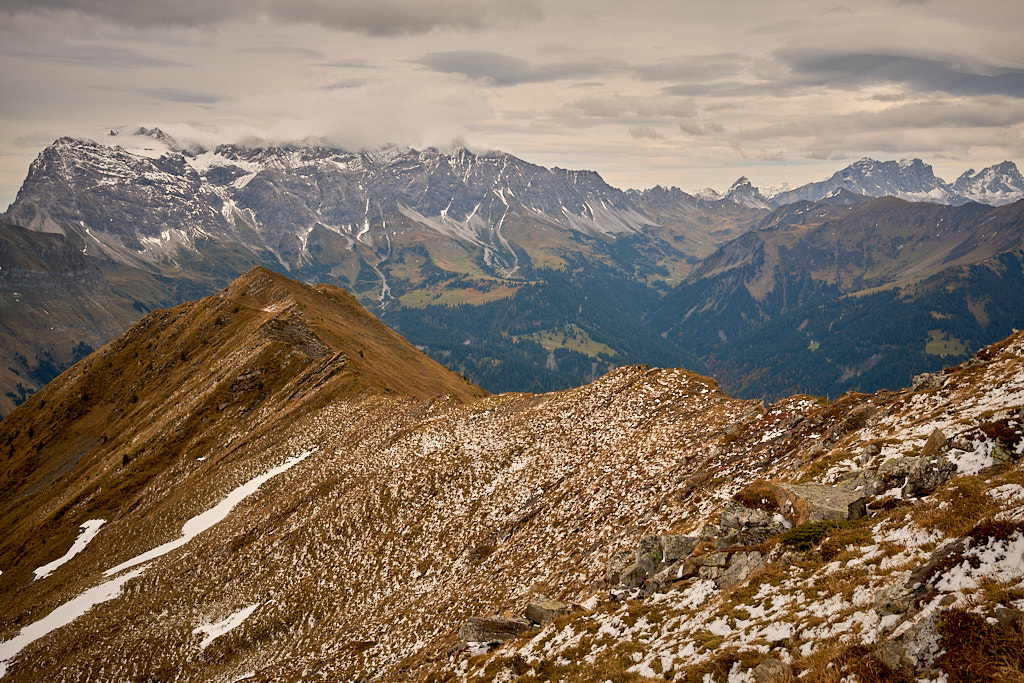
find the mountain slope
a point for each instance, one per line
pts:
(184, 382)
(828, 297)
(366, 527)
(58, 304)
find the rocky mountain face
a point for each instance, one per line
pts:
(517, 276)
(914, 180)
(268, 484)
(998, 185)
(403, 229)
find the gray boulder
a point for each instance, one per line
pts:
(913, 651)
(916, 476)
(818, 503)
(677, 547)
(649, 555)
(493, 629)
(772, 671)
(741, 566)
(544, 610)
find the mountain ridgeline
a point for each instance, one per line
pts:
(269, 484)
(518, 276)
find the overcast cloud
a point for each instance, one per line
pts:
(691, 93)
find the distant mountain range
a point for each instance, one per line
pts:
(915, 181)
(519, 276)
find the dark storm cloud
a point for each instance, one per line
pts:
(853, 69)
(501, 69)
(373, 17)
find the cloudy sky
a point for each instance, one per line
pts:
(691, 93)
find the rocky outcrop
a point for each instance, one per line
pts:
(544, 610)
(914, 650)
(772, 671)
(915, 476)
(802, 503)
(493, 629)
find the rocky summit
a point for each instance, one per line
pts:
(268, 484)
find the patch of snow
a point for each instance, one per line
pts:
(217, 629)
(89, 530)
(63, 615)
(207, 519)
(1001, 560)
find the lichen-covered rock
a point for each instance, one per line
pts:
(914, 650)
(772, 671)
(544, 610)
(493, 629)
(803, 503)
(741, 566)
(916, 476)
(649, 555)
(677, 547)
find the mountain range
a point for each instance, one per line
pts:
(269, 484)
(518, 276)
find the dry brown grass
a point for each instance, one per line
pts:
(834, 661)
(759, 495)
(957, 508)
(979, 652)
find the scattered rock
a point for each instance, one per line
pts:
(934, 445)
(914, 650)
(818, 503)
(649, 555)
(493, 629)
(919, 475)
(677, 547)
(772, 671)
(928, 380)
(741, 565)
(544, 610)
